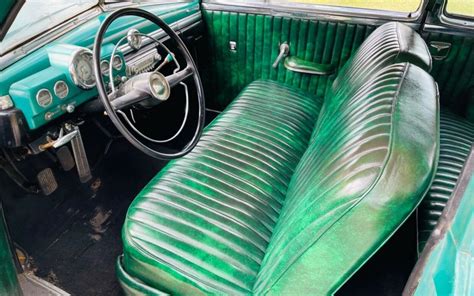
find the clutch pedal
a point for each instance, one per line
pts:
(47, 181)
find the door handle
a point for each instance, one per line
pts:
(284, 51)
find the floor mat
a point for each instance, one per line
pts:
(73, 235)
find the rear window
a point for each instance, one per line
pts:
(404, 6)
(463, 8)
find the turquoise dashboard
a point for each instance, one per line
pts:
(44, 84)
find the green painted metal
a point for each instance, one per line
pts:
(8, 275)
(447, 267)
(26, 70)
(258, 38)
(257, 209)
(24, 91)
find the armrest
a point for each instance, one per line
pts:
(301, 66)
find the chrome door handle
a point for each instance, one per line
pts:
(284, 51)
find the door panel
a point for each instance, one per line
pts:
(455, 73)
(257, 40)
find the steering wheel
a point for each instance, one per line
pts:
(147, 86)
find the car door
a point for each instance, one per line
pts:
(449, 33)
(244, 39)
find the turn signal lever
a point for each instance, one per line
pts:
(284, 51)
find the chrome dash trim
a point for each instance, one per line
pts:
(314, 11)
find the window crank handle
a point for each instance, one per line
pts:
(284, 50)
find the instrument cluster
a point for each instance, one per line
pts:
(68, 82)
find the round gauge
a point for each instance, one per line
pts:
(134, 39)
(81, 69)
(44, 97)
(61, 90)
(117, 63)
(104, 67)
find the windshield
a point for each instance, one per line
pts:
(37, 16)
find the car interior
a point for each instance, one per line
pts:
(221, 147)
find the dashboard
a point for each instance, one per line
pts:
(67, 83)
(58, 76)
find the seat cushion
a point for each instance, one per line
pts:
(202, 225)
(456, 139)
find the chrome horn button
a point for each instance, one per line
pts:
(159, 86)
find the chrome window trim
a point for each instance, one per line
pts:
(315, 11)
(444, 29)
(452, 20)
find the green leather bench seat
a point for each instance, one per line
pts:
(389, 44)
(456, 139)
(283, 195)
(205, 221)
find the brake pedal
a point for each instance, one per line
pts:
(65, 158)
(47, 181)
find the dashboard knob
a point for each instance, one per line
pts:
(70, 108)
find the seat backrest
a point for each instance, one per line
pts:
(367, 167)
(389, 44)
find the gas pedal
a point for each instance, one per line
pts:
(47, 181)
(65, 158)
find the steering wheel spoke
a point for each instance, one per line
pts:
(179, 76)
(149, 88)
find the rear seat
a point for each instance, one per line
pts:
(456, 139)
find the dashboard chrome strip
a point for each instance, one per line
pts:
(313, 11)
(160, 34)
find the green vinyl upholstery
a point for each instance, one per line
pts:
(205, 221)
(456, 139)
(285, 194)
(389, 44)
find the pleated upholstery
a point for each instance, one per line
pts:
(257, 39)
(455, 73)
(389, 44)
(364, 172)
(204, 223)
(278, 185)
(456, 139)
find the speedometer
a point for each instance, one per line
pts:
(81, 69)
